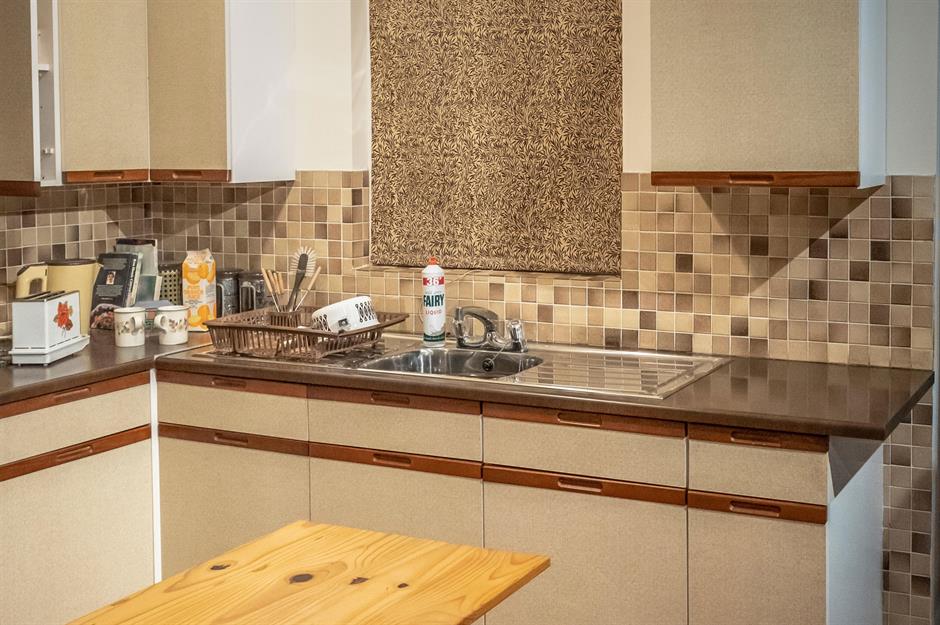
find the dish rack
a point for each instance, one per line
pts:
(269, 334)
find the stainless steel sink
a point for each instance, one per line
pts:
(457, 362)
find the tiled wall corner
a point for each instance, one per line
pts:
(67, 222)
(907, 519)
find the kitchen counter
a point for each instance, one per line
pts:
(780, 395)
(101, 360)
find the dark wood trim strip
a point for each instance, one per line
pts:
(399, 400)
(78, 451)
(583, 485)
(754, 506)
(20, 188)
(74, 394)
(247, 385)
(636, 425)
(190, 175)
(755, 178)
(259, 442)
(397, 460)
(758, 438)
(105, 175)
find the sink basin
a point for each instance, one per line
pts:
(458, 362)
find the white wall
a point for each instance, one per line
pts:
(333, 113)
(912, 86)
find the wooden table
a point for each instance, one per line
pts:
(330, 575)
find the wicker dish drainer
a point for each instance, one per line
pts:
(270, 334)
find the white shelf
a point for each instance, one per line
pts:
(43, 67)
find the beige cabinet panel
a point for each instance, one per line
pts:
(614, 561)
(188, 86)
(17, 155)
(46, 429)
(76, 536)
(215, 497)
(410, 430)
(584, 451)
(749, 570)
(787, 474)
(237, 411)
(103, 84)
(415, 503)
(755, 86)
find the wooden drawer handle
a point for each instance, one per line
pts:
(229, 439)
(71, 395)
(392, 460)
(580, 484)
(74, 454)
(752, 179)
(743, 507)
(579, 418)
(228, 383)
(759, 439)
(187, 174)
(390, 399)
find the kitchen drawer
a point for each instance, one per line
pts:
(617, 448)
(446, 428)
(398, 493)
(235, 404)
(758, 463)
(40, 424)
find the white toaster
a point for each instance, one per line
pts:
(46, 327)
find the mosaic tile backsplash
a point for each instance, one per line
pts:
(833, 275)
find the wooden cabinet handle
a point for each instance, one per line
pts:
(109, 175)
(580, 484)
(752, 179)
(390, 399)
(230, 439)
(228, 383)
(74, 454)
(393, 460)
(746, 507)
(71, 395)
(187, 174)
(584, 419)
(760, 439)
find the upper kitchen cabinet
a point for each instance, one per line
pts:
(29, 133)
(783, 93)
(103, 55)
(221, 107)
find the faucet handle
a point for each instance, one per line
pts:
(516, 333)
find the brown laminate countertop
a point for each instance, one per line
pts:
(101, 360)
(779, 395)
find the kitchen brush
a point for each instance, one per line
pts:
(302, 264)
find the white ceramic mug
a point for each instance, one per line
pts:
(129, 326)
(173, 324)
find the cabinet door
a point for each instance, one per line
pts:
(18, 159)
(614, 561)
(105, 107)
(188, 87)
(76, 536)
(400, 501)
(215, 497)
(750, 570)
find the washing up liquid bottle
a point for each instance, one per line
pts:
(432, 312)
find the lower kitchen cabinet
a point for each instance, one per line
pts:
(76, 536)
(615, 561)
(399, 500)
(217, 496)
(749, 570)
